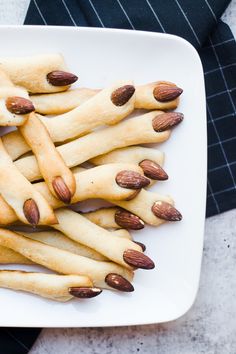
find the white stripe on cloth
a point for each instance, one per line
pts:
(96, 13)
(126, 15)
(213, 196)
(155, 15)
(187, 20)
(68, 11)
(223, 76)
(40, 13)
(210, 8)
(221, 147)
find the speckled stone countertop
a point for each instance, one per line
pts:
(209, 327)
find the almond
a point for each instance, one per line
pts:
(31, 211)
(118, 282)
(153, 170)
(131, 180)
(165, 93)
(166, 211)
(142, 245)
(61, 78)
(127, 220)
(138, 259)
(61, 190)
(122, 95)
(19, 105)
(84, 293)
(166, 121)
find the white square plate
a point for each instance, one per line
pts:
(100, 56)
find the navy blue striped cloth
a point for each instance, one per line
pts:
(197, 21)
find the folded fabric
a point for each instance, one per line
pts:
(196, 21)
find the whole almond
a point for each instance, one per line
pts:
(165, 93)
(166, 121)
(138, 259)
(127, 220)
(61, 78)
(31, 212)
(84, 293)
(153, 170)
(118, 282)
(61, 190)
(166, 211)
(131, 180)
(122, 95)
(19, 105)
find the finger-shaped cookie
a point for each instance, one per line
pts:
(28, 204)
(107, 107)
(153, 127)
(38, 73)
(7, 256)
(119, 180)
(143, 129)
(152, 208)
(150, 160)
(156, 95)
(51, 286)
(98, 182)
(103, 274)
(14, 106)
(62, 102)
(115, 218)
(120, 250)
(58, 177)
(59, 240)
(161, 95)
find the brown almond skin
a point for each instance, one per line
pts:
(84, 293)
(31, 212)
(19, 105)
(166, 211)
(127, 220)
(131, 180)
(138, 259)
(61, 78)
(165, 93)
(118, 282)
(142, 245)
(122, 95)
(166, 121)
(153, 170)
(61, 190)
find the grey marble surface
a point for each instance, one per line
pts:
(209, 327)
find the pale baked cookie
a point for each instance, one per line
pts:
(28, 204)
(107, 107)
(58, 177)
(152, 127)
(156, 95)
(7, 256)
(150, 160)
(103, 274)
(114, 218)
(99, 239)
(51, 286)
(138, 130)
(15, 105)
(152, 208)
(38, 73)
(62, 102)
(161, 95)
(117, 181)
